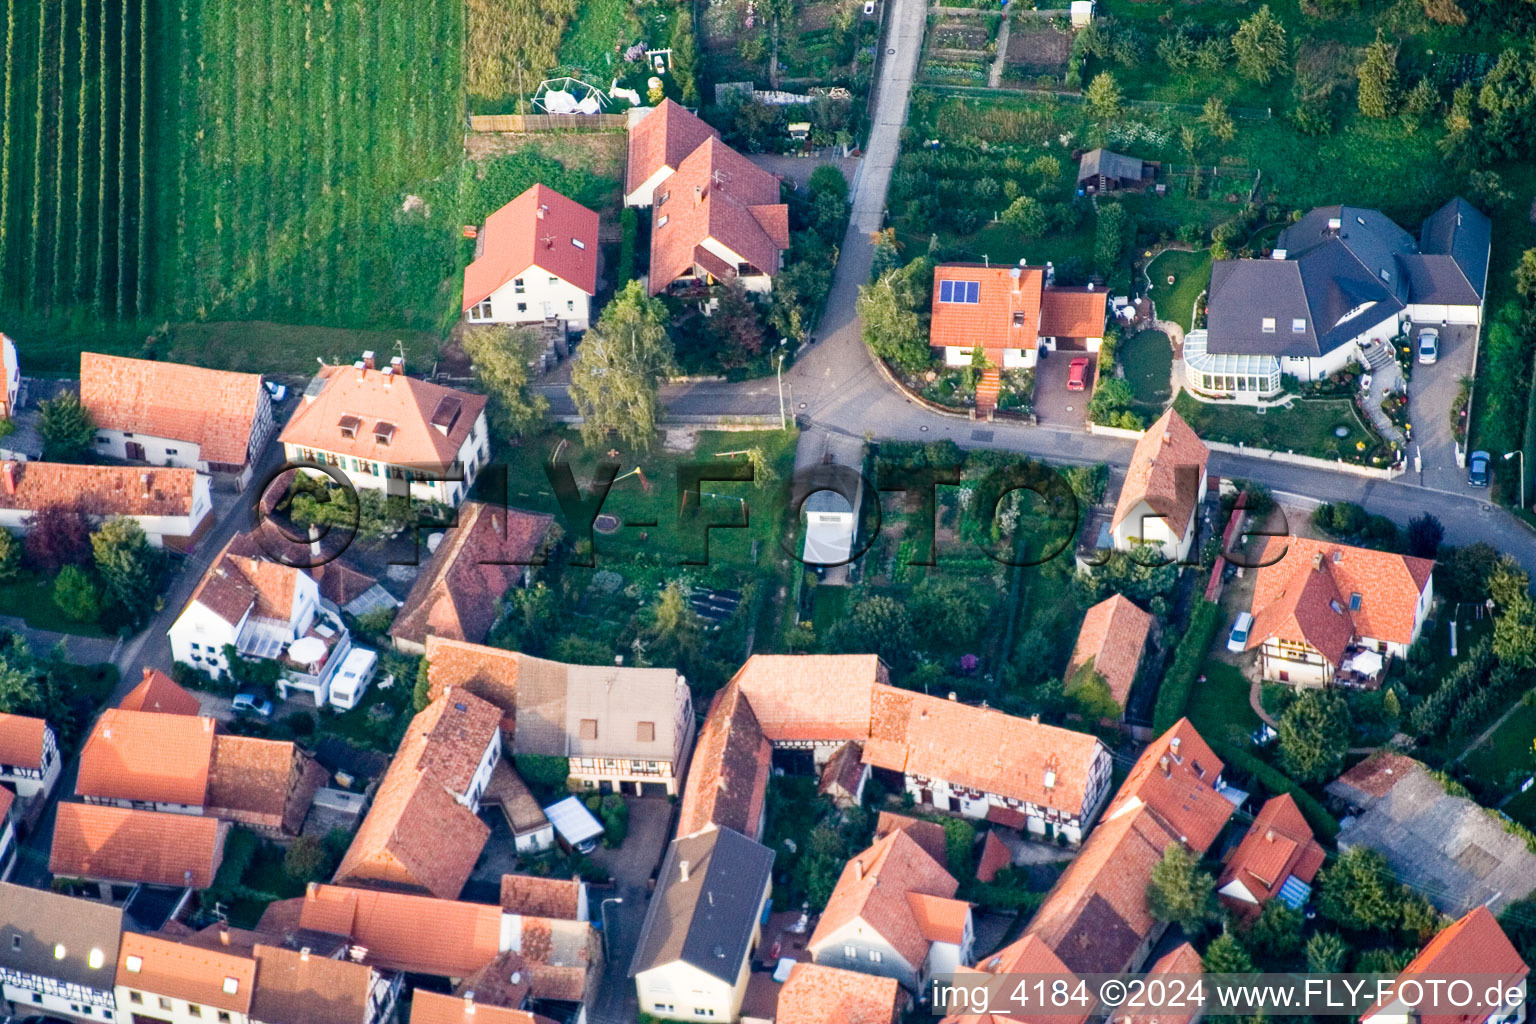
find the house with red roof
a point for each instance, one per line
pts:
(7, 834)
(1181, 962)
(1012, 313)
(170, 505)
(116, 845)
(159, 692)
(29, 756)
(717, 219)
(818, 994)
(174, 414)
(658, 144)
(894, 913)
(1326, 612)
(1109, 644)
(535, 260)
(391, 432)
(1475, 947)
(1277, 858)
(1163, 490)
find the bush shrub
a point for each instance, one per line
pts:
(75, 595)
(1173, 695)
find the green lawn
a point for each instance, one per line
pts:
(1191, 273)
(1219, 707)
(1147, 359)
(260, 346)
(1306, 427)
(29, 596)
(1508, 750)
(828, 607)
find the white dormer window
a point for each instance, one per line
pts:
(1269, 325)
(96, 959)
(1299, 326)
(578, 243)
(135, 964)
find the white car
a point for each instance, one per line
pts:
(1238, 639)
(1429, 345)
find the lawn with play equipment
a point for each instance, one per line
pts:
(1178, 277)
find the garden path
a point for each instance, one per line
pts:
(995, 75)
(1386, 377)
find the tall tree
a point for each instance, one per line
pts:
(892, 328)
(1261, 47)
(1179, 891)
(1377, 74)
(57, 535)
(1026, 216)
(66, 426)
(128, 564)
(685, 54)
(1103, 97)
(1424, 535)
(1225, 955)
(616, 376)
(1359, 892)
(1217, 120)
(1326, 953)
(500, 358)
(1111, 234)
(1314, 736)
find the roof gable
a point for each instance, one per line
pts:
(426, 423)
(1175, 778)
(158, 692)
(215, 409)
(1112, 636)
(876, 889)
(662, 139)
(22, 739)
(1165, 473)
(1005, 313)
(99, 841)
(100, 490)
(539, 229)
(203, 976)
(728, 774)
(145, 756)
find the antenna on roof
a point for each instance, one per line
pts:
(549, 241)
(719, 177)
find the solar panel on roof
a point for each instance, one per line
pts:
(1294, 893)
(960, 291)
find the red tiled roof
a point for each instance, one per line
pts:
(938, 918)
(1006, 315)
(489, 673)
(1279, 844)
(241, 578)
(1112, 636)
(417, 835)
(215, 409)
(995, 856)
(1182, 960)
(841, 775)
(811, 696)
(875, 888)
(1307, 594)
(293, 987)
(716, 194)
(191, 973)
(1029, 955)
(1377, 774)
(145, 756)
(158, 692)
(1175, 778)
(541, 897)
(21, 740)
(428, 1007)
(818, 994)
(265, 783)
(100, 490)
(1475, 946)
(539, 229)
(981, 749)
(927, 834)
(728, 776)
(404, 932)
(481, 557)
(1072, 313)
(97, 841)
(1153, 477)
(662, 139)
(407, 404)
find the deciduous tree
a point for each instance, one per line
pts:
(892, 328)
(617, 373)
(1103, 97)
(1179, 891)
(1314, 736)
(1359, 892)
(500, 358)
(1217, 120)
(128, 565)
(1026, 216)
(57, 535)
(75, 594)
(1226, 955)
(1261, 47)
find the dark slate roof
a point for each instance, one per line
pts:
(1461, 231)
(708, 920)
(1101, 936)
(42, 920)
(1103, 161)
(1439, 280)
(1243, 293)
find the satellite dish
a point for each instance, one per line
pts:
(307, 650)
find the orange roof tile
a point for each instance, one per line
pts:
(146, 756)
(1029, 955)
(811, 696)
(429, 1007)
(1181, 960)
(405, 932)
(982, 749)
(158, 692)
(1072, 313)
(843, 772)
(215, 409)
(202, 976)
(489, 673)
(995, 856)
(97, 841)
(1005, 315)
(939, 919)
(728, 777)
(1154, 477)
(293, 987)
(818, 994)
(875, 888)
(21, 740)
(539, 229)
(1309, 594)
(429, 422)
(927, 834)
(1377, 774)
(1175, 777)
(1474, 946)
(1112, 636)
(99, 490)
(266, 783)
(483, 556)
(541, 897)
(241, 579)
(718, 195)
(1279, 844)
(662, 139)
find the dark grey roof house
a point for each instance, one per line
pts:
(58, 954)
(1341, 271)
(1104, 170)
(707, 905)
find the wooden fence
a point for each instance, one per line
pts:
(547, 122)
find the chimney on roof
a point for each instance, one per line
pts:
(368, 360)
(311, 890)
(1035, 718)
(618, 660)
(698, 194)
(682, 870)
(469, 997)
(1162, 763)
(1335, 223)
(361, 368)
(144, 481)
(543, 209)
(1173, 745)
(223, 933)
(1317, 560)
(358, 953)
(304, 954)
(952, 695)
(1017, 274)
(8, 471)
(1090, 286)
(858, 870)
(389, 375)
(1269, 836)
(397, 363)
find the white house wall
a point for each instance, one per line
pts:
(543, 296)
(645, 193)
(1431, 315)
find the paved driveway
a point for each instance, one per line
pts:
(1054, 404)
(795, 171)
(1431, 391)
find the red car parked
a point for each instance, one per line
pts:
(1077, 374)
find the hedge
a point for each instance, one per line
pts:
(629, 228)
(1276, 781)
(1179, 681)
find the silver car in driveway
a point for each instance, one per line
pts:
(1429, 345)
